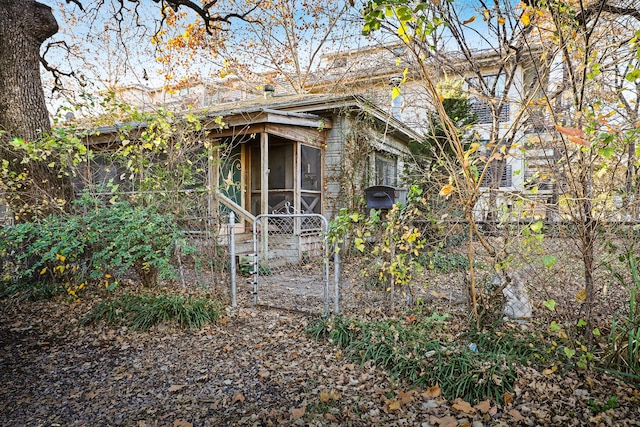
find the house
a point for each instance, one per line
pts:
(284, 153)
(507, 84)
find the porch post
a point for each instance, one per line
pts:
(264, 173)
(264, 193)
(214, 183)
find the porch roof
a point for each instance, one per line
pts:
(310, 110)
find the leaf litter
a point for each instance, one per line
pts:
(255, 367)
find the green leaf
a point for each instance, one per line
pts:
(536, 227)
(554, 327)
(596, 332)
(607, 152)
(569, 352)
(549, 260)
(632, 76)
(550, 304)
(582, 322)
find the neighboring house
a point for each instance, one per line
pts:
(186, 94)
(291, 153)
(376, 71)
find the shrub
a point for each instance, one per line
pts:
(96, 246)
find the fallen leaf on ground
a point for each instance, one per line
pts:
(447, 421)
(182, 423)
(298, 413)
(176, 387)
(483, 406)
(326, 396)
(431, 392)
(237, 397)
(405, 397)
(508, 397)
(463, 406)
(393, 405)
(516, 415)
(330, 417)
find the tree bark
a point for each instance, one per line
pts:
(24, 26)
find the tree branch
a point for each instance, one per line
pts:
(77, 3)
(597, 8)
(205, 12)
(57, 74)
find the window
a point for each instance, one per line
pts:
(505, 179)
(310, 179)
(339, 62)
(482, 110)
(396, 106)
(493, 84)
(386, 170)
(492, 87)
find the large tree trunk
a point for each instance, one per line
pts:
(24, 26)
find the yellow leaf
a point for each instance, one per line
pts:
(44, 270)
(403, 33)
(473, 148)
(446, 190)
(501, 20)
(61, 258)
(393, 405)
(526, 19)
(581, 296)
(395, 92)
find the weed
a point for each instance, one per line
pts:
(596, 407)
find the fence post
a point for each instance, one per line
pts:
(232, 258)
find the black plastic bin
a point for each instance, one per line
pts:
(384, 196)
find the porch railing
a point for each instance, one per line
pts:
(241, 212)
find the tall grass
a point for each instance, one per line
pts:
(142, 312)
(415, 352)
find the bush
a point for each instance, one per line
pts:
(96, 246)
